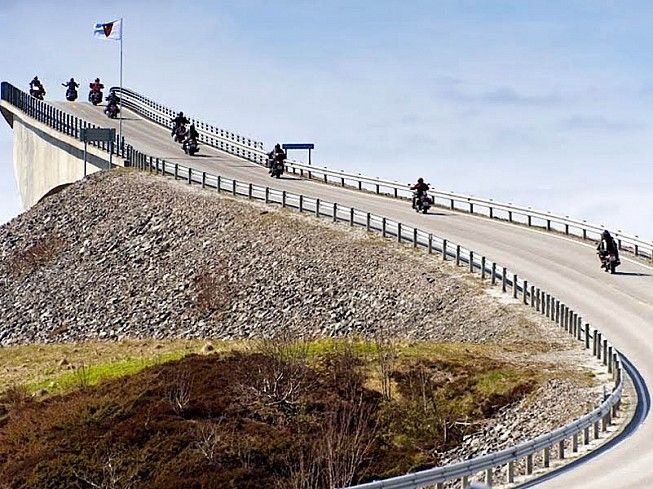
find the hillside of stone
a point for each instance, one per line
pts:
(122, 254)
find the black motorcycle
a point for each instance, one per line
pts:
(422, 202)
(191, 146)
(95, 97)
(112, 110)
(71, 94)
(609, 261)
(38, 93)
(277, 168)
(180, 133)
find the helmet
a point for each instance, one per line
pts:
(420, 180)
(181, 114)
(97, 80)
(605, 233)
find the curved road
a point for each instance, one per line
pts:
(620, 305)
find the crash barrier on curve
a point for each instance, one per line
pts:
(253, 151)
(590, 426)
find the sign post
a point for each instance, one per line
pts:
(308, 146)
(101, 135)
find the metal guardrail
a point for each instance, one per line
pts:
(452, 200)
(221, 139)
(520, 289)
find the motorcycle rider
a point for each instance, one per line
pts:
(71, 84)
(277, 155)
(607, 246)
(96, 86)
(112, 101)
(420, 187)
(180, 120)
(36, 86)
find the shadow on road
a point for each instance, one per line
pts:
(633, 274)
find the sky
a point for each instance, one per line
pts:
(547, 104)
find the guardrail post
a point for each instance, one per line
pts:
(511, 472)
(494, 273)
(605, 352)
(596, 430)
(529, 221)
(377, 188)
(444, 250)
(267, 195)
(464, 483)
(190, 175)
(529, 464)
(176, 170)
(457, 255)
(317, 207)
(283, 196)
(532, 296)
(514, 285)
(383, 226)
(301, 203)
(398, 232)
(335, 212)
(368, 218)
(471, 208)
(482, 268)
(594, 342)
(586, 436)
(203, 179)
(525, 292)
(395, 192)
(414, 237)
(488, 477)
(233, 189)
(504, 283)
(557, 312)
(471, 261)
(491, 212)
(587, 336)
(250, 191)
(574, 443)
(150, 165)
(452, 207)
(430, 244)
(561, 449)
(218, 183)
(610, 359)
(598, 347)
(342, 181)
(548, 224)
(604, 423)
(548, 305)
(510, 216)
(547, 456)
(351, 216)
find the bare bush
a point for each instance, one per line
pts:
(116, 472)
(283, 376)
(386, 356)
(178, 392)
(304, 469)
(209, 437)
(348, 434)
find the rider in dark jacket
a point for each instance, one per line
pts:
(178, 121)
(192, 136)
(608, 245)
(36, 85)
(96, 86)
(72, 84)
(277, 155)
(420, 187)
(112, 99)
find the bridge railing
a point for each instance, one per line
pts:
(455, 201)
(556, 443)
(229, 142)
(582, 430)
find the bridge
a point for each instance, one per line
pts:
(557, 252)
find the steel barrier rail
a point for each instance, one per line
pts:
(221, 139)
(455, 201)
(520, 289)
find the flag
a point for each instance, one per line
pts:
(110, 30)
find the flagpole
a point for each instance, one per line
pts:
(122, 33)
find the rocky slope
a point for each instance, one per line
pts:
(128, 255)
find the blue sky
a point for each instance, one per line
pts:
(547, 104)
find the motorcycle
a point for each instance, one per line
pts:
(609, 261)
(95, 97)
(277, 168)
(191, 146)
(71, 94)
(112, 110)
(37, 92)
(422, 203)
(180, 133)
